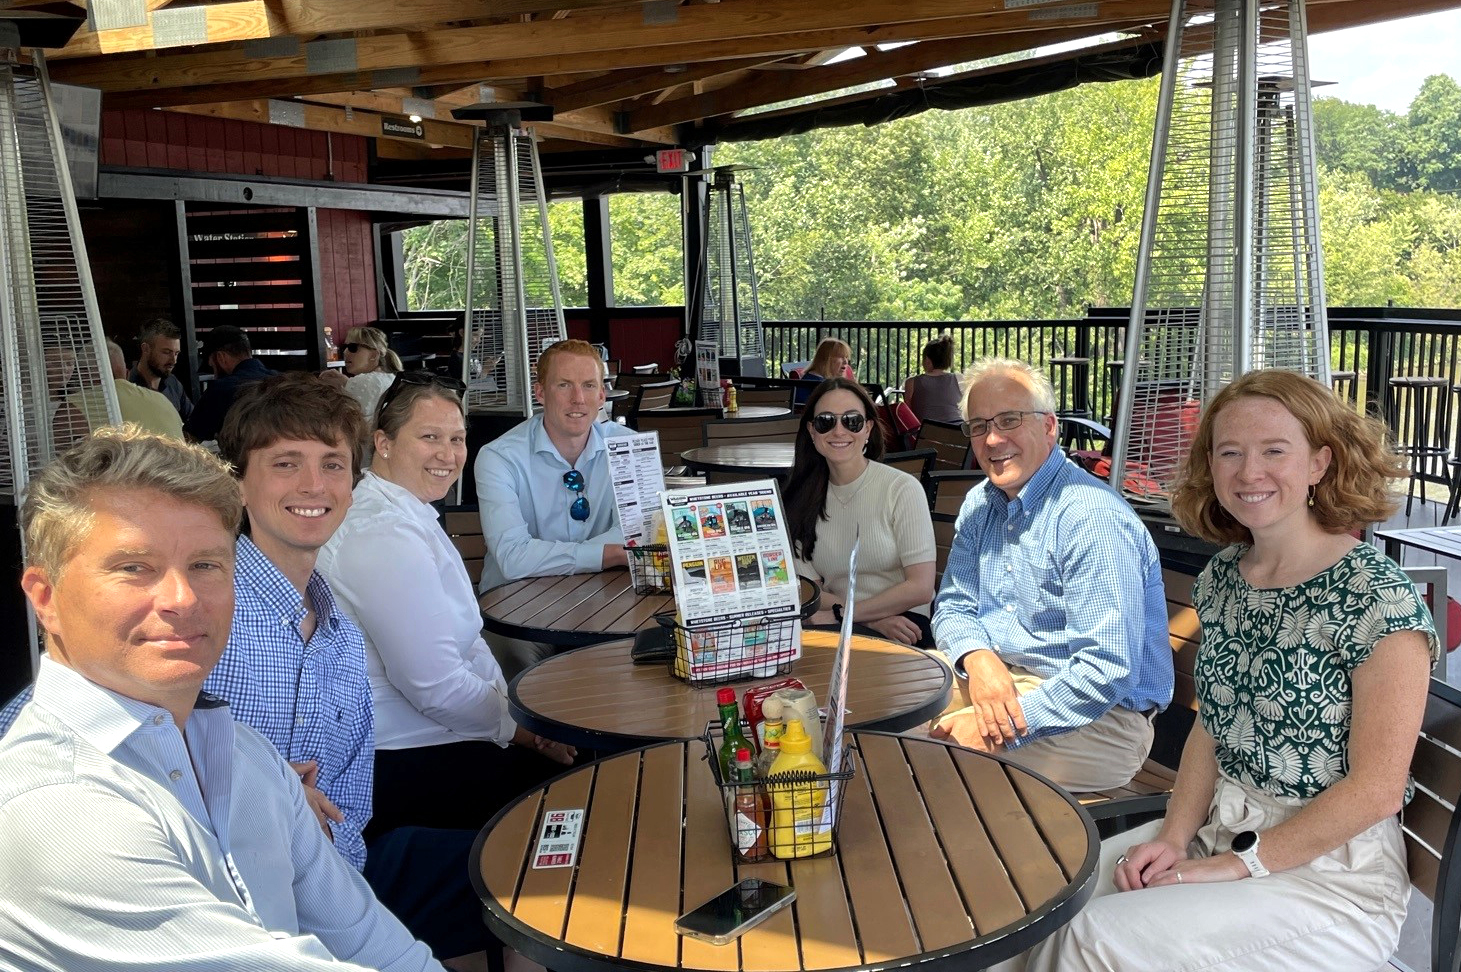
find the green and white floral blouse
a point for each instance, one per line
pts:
(1274, 668)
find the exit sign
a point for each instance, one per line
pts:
(670, 160)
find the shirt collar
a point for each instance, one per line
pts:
(1039, 485)
(271, 587)
(100, 716)
(400, 497)
(541, 444)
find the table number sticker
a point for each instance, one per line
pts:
(558, 840)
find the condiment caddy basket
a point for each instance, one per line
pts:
(810, 805)
(650, 568)
(731, 651)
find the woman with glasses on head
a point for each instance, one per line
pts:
(444, 748)
(836, 487)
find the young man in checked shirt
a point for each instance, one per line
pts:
(1052, 603)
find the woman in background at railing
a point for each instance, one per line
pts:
(830, 361)
(934, 395)
(837, 486)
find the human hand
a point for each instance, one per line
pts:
(897, 628)
(615, 556)
(1204, 870)
(993, 694)
(965, 727)
(1142, 862)
(557, 752)
(324, 809)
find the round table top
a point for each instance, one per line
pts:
(947, 859)
(742, 413)
(615, 394)
(598, 698)
(577, 609)
(772, 458)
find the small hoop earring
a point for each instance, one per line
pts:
(1311, 495)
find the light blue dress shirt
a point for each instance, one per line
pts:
(1065, 582)
(132, 843)
(524, 505)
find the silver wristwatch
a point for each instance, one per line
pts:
(1245, 846)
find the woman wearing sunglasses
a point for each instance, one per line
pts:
(370, 367)
(837, 487)
(443, 748)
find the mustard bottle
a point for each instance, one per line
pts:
(796, 799)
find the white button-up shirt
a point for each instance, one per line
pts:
(398, 576)
(128, 842)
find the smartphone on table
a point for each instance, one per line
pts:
(728, 915)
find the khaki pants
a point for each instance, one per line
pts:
(1104, 754)
(1341, 911)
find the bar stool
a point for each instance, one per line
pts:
(1343, 383)
(1069, 376)
(1424, 401)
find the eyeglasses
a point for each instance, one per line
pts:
(1004, 421)
(573, 479)
(404, 378)
(824, 422)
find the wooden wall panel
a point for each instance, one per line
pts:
(131, 246)
(648, 336)
(142, 138)
(347, 270)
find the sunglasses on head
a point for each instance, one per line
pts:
(407, 378)
(824, 422)
(573, 479)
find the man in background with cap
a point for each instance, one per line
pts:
(229, 356)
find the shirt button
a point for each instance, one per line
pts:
(299, 722)
(1009, 526)
(157, 720)
(175, 775)
(1009, 607)
(1009, 568)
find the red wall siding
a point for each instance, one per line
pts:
(347, 270)
(640, 340)
(143, 138)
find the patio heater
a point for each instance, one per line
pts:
(1229, 270)
(50, 332)
(730, 307)
(514, 306)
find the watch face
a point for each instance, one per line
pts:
(1244, 842)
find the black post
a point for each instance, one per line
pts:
(598, 256)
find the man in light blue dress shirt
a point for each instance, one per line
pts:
(1052, 602)
(543, 489)
(143, 826)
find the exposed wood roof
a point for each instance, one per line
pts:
(621, 74)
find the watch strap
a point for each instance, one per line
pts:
(1250, 860)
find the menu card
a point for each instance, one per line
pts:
(834, 740)
(707, 373)
(638, 480)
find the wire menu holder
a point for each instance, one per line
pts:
(732, 651)
(650, 568)
(797, 813)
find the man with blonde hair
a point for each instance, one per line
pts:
(1052, 606)
(543, 489)
(143, 826)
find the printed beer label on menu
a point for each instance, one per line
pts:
(558, 840)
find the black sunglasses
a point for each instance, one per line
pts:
(824, 422)
(573, 479)
(354, 346)
(404, 378)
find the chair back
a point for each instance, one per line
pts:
(464, 526)
(1434, 584)
(748, 395)
(647, 369)
(652, 396)
(943, 542)
(948, 487)
(631, 382)
(721, 431)
(915, 462)
(612, 367)
(1430, 823)
(949, 441)
(678, 430)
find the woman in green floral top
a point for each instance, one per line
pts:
(1280, 848)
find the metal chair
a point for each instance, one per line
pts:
(948, 487)
(680, 429)
(949, 441)
(652, 396)
(1418, 415)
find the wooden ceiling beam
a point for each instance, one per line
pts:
(635, 84)
(874, 66)
(595, 33)
(326, 118)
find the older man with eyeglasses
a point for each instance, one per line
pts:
(543, 489)
(1052, 607)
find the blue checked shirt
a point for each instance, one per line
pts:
(311, 701)
(1064, 581)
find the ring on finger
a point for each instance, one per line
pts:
(1121, 860)
(1179, 876)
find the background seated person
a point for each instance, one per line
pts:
(144, 827)
(934, 395)
(443, 734)
(161, 342)
(830, 361)
(370, 367)
(230, 357)
(1311, 677)
(87, 410)
(1052, 601)
(836, 485)
(543, 489)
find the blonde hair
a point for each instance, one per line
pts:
(1038, 383)
(1355, 489)
(829, 348)
(57, 515)
(375, 338)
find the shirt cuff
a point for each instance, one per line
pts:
(589, 557)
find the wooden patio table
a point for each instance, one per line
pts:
(597, 698)
(1444, 541)
(771, 458)
(948, 859)
(744, 412)
(577, 609)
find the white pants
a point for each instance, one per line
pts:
(1340, 911)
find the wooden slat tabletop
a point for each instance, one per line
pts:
(744, 413)
(598, 698)
(771, 458)
(984, 858)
